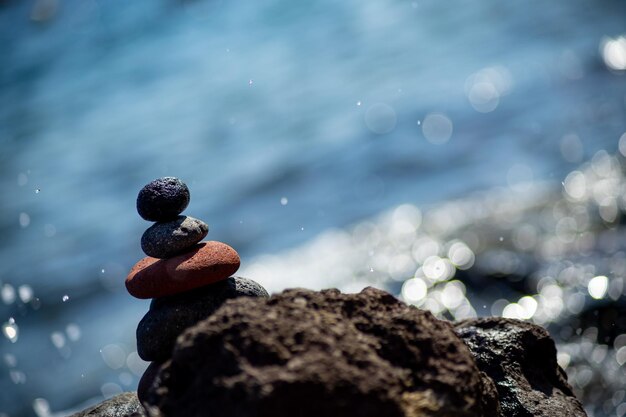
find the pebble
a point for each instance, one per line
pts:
(169, 316)
(166, 239)
(207, 263)
(162, 199)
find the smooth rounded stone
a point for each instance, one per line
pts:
(167, 239)
(169, 316)
(162, 199)
(206, 263)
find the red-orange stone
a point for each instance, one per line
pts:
(206, 263)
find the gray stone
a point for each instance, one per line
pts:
(166, 239)
(125, 404)
(162, 199)
(169, 316)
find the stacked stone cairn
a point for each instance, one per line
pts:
(188, 279)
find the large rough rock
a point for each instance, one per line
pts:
(122, 405)
(520, 358)
(309, 354)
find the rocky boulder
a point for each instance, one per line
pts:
(308, 354)
(305, 353)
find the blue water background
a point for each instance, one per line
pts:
(250, 103)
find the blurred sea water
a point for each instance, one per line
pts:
(302, 130)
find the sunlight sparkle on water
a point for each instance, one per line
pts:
(461, 255)
(620, 356)
(437, 128)
(136, 365)
(41, 407)
(529, 305)
(597, 287)
(438, 269)
(10, 360)
(26, 293)
(114, 356)
(57, 339)
(453, 294)
(110, 389)
(622, 144)
(485, 87)
(73, 332)
(7, 293)
(614, 53)
(514, 311)
(414, 290)
(380, 118)
(563, 359)
(24, 219)
(10, 330)
(575, 185)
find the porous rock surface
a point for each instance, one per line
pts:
(162, 199)
(169, 316)
(520, 358)
(125, 404)
(309, 354)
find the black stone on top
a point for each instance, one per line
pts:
(169, 316)
(162, 199)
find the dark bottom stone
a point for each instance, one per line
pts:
(169, 316)
(147, 380)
